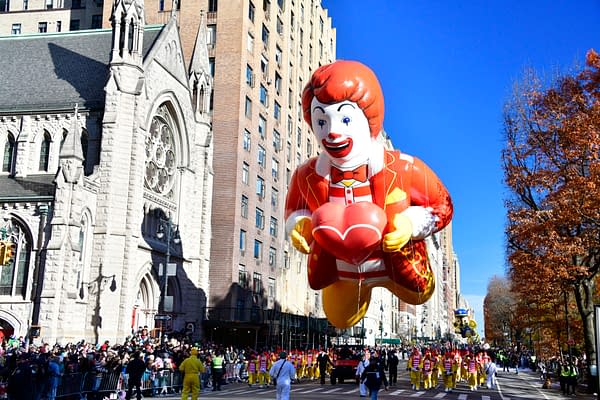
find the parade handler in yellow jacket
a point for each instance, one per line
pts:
(191, 367)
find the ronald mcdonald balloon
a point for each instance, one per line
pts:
(361, 211)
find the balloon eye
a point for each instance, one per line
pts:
(346, 120)
(321, 123)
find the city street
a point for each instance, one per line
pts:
(525, 385)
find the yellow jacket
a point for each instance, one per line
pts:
(192, 365)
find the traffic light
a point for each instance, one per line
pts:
(7, 252)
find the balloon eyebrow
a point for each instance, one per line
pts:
(345, 104)
(319, 108)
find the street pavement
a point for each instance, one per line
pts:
(525, 385)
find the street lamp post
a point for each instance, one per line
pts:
(170, 232)
(381, 324)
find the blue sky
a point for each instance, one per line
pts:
(446, 69)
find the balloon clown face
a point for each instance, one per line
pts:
(343, 131)
(359, 210)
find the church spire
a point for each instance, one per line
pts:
(71, 147)
(199, 62)
(128, 30)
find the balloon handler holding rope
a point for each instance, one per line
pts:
(358, 210)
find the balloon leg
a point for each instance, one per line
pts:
(345, 302)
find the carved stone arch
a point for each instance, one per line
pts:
(169, 99)
(23, 219)
(19, 326)
(85, 244)
(146, 298)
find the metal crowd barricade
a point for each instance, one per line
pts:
(109, 384)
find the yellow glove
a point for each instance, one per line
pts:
(399, 236)
(301, 235)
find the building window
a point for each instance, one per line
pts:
(290, 124)
(211, 35)
(279, 26)
(97, 21)
(249, 76)
(298, 159)
(256, 282)
(278, 56)
(251, 11)
(58, 26)
(286, 260)
(242, 276)
(9, 153)
(273, 226)
(262, 156)
(248, 107)
(161, 5)
(14, 275)
(250, 42)
(76, 4)
(263, 97)
(44, 153)
(245, 172)
(308, 147)
(15, 29)
(289, 151)
(246, 140)
(257, 249)
(42, 27)
(274, 198)
(275, 169)
(271, 289)
(265, 36)
(277, 83)
(277, 111)
(272, 256)
(264, 67)
(74, 25)
(262, 126)
(242, 240)
(244, 207)
(25, 4)
(49, 4)
(212, 5)
(260, 187)
(276, 140)
(259, 220)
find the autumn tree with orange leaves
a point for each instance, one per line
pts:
(552, 169)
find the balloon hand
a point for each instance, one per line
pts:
(399, 236)
(301, 235)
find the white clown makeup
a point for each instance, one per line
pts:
(343, 131)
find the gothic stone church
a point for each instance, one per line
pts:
(105, 178)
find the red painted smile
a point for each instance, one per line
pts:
(340, 149)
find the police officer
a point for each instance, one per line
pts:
(216, 367)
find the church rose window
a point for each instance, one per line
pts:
(161, 163)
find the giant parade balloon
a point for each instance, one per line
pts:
(359, 210)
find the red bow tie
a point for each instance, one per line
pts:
(358, 174)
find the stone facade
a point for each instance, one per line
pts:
(87, 188)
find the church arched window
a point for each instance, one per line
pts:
(13, 275)
(44, 152)
(161, 154)
(9, 153)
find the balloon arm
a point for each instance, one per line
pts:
(424, 223)
(301, 232)
(292, 219)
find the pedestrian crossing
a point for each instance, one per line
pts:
(342, 390)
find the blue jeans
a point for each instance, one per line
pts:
(373, 394)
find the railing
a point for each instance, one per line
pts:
(107, 383)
